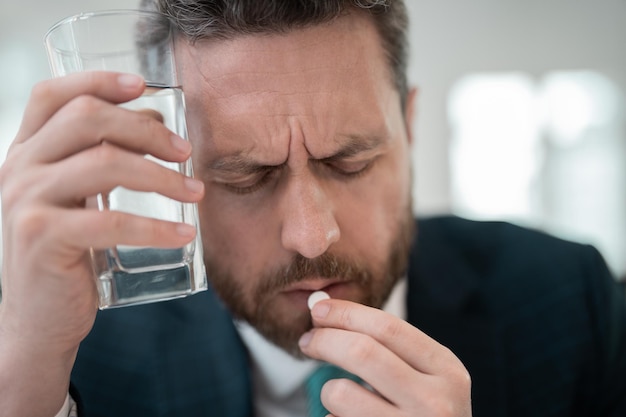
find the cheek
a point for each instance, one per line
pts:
(234, 234)
(369, 218)
(220, 231)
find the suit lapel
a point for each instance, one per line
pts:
(444, 300)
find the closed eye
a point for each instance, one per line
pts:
(349, 169)
(250, 183)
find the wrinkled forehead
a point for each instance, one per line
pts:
(257, 91)
(348, 45)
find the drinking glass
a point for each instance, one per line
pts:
(138, 42)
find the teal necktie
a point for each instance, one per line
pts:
(314, 385)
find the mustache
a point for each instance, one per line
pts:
(327, 265)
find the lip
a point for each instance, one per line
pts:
(311, 285)
(298, 293)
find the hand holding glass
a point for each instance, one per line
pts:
(137, 42)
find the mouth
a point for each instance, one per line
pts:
(313, 284)
(299, 292)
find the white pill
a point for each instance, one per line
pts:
(317, 296)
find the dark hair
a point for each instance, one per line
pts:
(201, 19)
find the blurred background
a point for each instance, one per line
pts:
(521, 116)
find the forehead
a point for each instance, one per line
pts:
(329, 79)
(344, 41)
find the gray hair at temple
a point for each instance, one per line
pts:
(227, 19)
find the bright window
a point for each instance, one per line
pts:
(548, 152)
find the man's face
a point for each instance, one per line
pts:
(302, 144)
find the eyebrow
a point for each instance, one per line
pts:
(352, 145)
(240, 165)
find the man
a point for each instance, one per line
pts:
(300, 121)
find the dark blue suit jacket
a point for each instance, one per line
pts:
(539, 323)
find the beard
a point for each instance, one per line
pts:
(374, 282)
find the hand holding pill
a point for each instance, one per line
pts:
(409, 373)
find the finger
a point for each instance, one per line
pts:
(83, 229)
(152, 113)
(88, 121)
(398, 335)
(102, 168)
(361, 355)
(343, 397)
(50, 95)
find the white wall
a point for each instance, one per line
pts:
(453, 38)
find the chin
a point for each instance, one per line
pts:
(282, 326)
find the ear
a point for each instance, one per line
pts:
(409, 112)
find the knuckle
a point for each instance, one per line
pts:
(13, 188)
(345, 317)
(118, 220)
(5, 174)
(335, 391)
(152, 127)
(455, 395)
(448, 354)
(463, 379)
(31, 224)
(42, 91)
(362, 349)
(84, 106)
(458, 373)
(14, 151)
(10, 194)
(105, 154)
(93, 79)
(134, 230)
(390, 329)
(155, 229)
(152, 114)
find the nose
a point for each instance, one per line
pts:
(309, 226)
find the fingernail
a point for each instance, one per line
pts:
(320, 310)
(129, 81)
(181, 144)
(193, 185)
(186, 230)
(305, 339)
